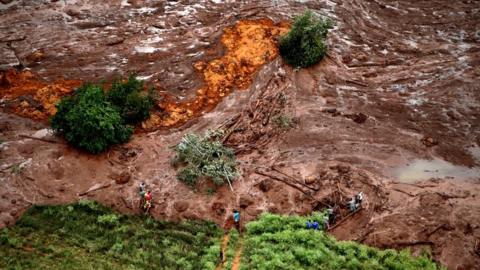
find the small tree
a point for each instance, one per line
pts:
(305, 44)
(205, 157)
(88, 121)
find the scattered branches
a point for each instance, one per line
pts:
(205, 157)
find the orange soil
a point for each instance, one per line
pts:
(14, 84)
(250, 44)
(238, 257)
(226, 237)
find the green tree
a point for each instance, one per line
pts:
(305, 44)
(88, 121)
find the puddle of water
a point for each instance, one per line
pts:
(475, 151)
(422, 169)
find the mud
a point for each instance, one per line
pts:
(399, 84)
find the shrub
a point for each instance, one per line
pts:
(133, 105)
(305, 44)
(88, 121)
(93, 120)
(205, 157)
(282, 121)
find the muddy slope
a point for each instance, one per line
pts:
(400, 84)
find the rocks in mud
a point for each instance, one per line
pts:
(121, 178)
(73, 12)
(91, 24)
(218, 208)
(358, 118)
(36, 56)
(265, 185)
(245, 201)
(114, 41)
(341, 168)
(331, 110)
(254, 212)
(57, 170)
(310, 180)
(181, 206)
(6, 1)
(429, 141)
(8, 59)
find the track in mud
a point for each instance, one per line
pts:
(399, 84)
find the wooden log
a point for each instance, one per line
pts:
(39, 139)
(344, 219)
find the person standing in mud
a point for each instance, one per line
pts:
(148, 202)
(141, 192)
(236, 219)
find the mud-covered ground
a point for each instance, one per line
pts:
(393, 110)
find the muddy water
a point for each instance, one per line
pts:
(421, 169)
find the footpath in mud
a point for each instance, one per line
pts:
(396, 95)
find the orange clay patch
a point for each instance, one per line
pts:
(250, 44)
(43, 95)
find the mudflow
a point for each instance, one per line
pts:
(393, 110)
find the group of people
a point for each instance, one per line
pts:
(145, 198)
(330, 218)
(356, 202)
(327, 221)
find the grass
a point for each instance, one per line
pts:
(231, 248)
(87, 235)
(283, 242)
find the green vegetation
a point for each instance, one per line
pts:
(133, 105)
(87, 235)
(16, 168)
(88, 121)
(283, 121)
(233, 245)
(305, 44)
(205, 157)
(92, 120)
(283, 242)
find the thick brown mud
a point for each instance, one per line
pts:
(400, 85)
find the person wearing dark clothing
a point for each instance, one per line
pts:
(315, 225)
(331, 216)
(309, 224)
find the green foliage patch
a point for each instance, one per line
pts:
(283, 242)
(305, 44)
(233, 245)
(205, 157)
(283, 121)
(128, 98)
(87, 235)
(92, 120)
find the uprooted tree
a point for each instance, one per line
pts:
(92, 120)
(205, 157)
(305, 44)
